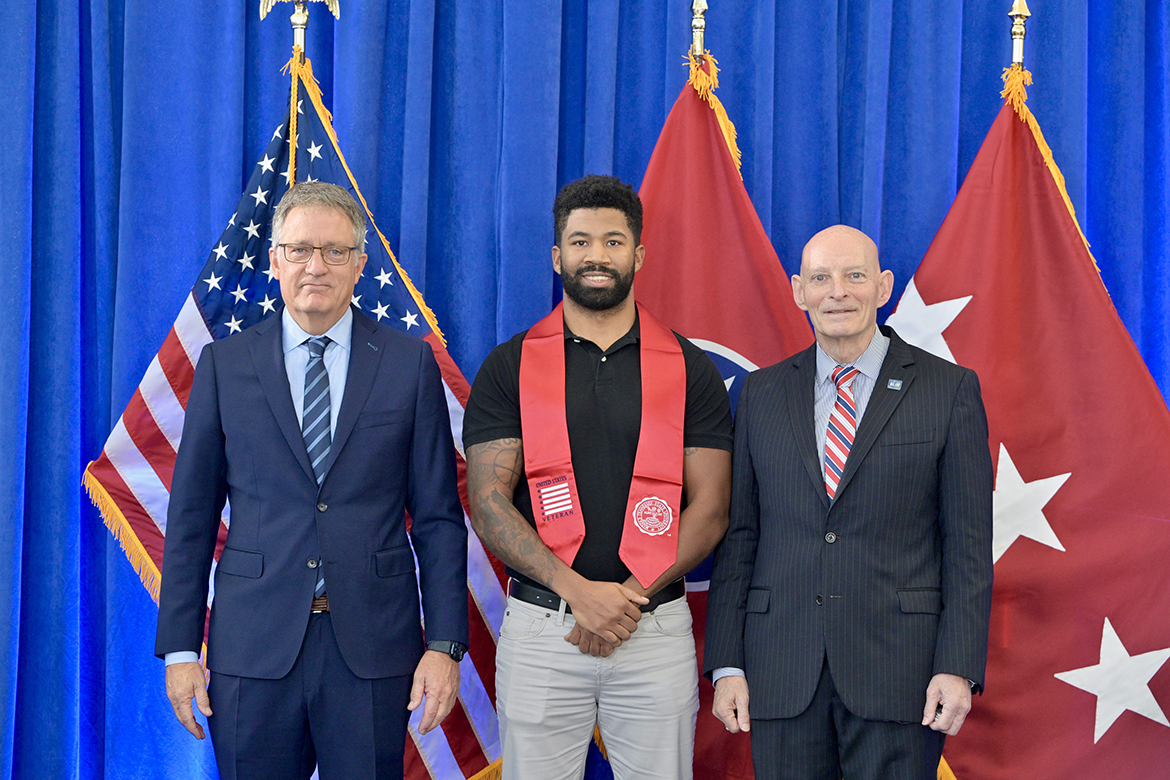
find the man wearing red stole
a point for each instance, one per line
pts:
(598, 469)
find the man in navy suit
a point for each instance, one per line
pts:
(852, 592)
(322, 429)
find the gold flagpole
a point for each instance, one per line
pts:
(698, 27)
(1019, 14)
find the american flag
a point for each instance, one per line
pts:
(130, 481)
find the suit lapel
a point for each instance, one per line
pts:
(365, 353)
(898, 365)
(267, 350)
(801, 405)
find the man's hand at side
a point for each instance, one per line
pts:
(730, 704)
(437, 679)
(948, 700)
(184, 682)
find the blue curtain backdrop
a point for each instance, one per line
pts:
(132, 124)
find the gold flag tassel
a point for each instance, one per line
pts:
(1016, 80)
(705, 79)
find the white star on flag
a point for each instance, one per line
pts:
(384, 279)
(213, 281)
(357, 301)
(411, 320)
(232, 221)
(314, 151)
(279, 130)
(380, 310)
(260, 195)
(269, 273)
(220, 251)
(240, 293)
(246, 260)
(287, 176)
(922, 325)
(266, 163)
(1120, 682)
(268, 304)
(233, 324)
(252, 229)
(1017, 507)
(300, 109)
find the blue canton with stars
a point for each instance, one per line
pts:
(236, 288)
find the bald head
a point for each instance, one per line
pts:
(841, 285)
(842, 238)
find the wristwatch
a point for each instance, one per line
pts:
(446, 647)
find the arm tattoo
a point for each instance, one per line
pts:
(494, 470)
(688, 451)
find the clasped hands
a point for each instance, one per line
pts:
(606, 614)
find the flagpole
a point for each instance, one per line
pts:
(1019, 14)
(698, 27)
(299, 21)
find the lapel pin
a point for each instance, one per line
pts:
(894, 384)
(371, 346)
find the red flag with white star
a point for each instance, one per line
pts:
(1078, 683)
(712, 275)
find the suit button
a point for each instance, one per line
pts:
(819, 601)
(311, 563)
(830, 537)
(322, 507)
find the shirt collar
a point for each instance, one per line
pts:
(632, 335)
(870, 362)
(293, 335)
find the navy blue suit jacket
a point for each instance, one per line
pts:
(392, 453)
(892, 583)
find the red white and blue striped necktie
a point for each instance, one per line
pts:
(842, 428)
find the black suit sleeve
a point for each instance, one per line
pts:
(965, 524)
(198, 494)
(735, 557)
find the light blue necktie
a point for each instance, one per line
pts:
(315, 421)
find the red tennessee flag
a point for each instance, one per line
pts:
(1078, 683)
(712, 275)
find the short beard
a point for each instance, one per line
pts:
(597, 298)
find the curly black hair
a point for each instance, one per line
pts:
(598, 192)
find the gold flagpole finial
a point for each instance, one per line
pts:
(698, 27)
(300, 16)
(1019, 14)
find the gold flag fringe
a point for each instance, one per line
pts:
(944, 770)
(1016, 79)
(122, 530)
(493, 771)
(705, 82)
(302, 71)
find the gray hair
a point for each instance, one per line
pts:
(321, 195)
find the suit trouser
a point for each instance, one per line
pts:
(319, 714)
(828, 742)
(644, 697)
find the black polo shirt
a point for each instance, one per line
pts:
(603, 404)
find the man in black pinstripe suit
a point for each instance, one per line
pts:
(854, 604)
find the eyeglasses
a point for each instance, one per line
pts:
(303, 253)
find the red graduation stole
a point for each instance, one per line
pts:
(649, 538)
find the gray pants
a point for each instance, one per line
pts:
(644, 697)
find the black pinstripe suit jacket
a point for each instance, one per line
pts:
(892, 583)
